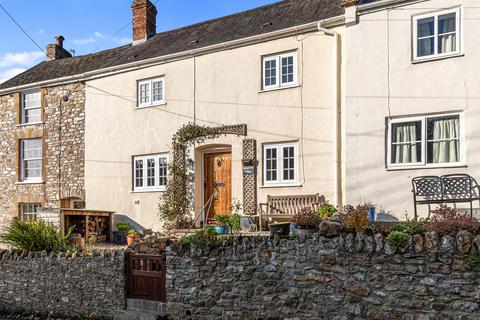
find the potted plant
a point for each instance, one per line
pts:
(223, 222)
(133, 236)
(120, 236)
(306, 221)
(326, 211)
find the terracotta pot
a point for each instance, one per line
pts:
(132, 239)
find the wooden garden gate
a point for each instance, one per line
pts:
(147, 277)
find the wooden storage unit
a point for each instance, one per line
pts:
(88, 221)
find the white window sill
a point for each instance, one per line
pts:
(152, 105)
(294, 185)
(279, 88)
(149, 191)
(435, 58)
(29, 182)
(30, 124)
(426, 167)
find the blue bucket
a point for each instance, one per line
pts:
(371, 214)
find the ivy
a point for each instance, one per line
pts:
(177, 200)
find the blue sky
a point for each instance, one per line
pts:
(88, 25)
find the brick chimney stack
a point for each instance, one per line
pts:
(144, 20)
(56, 51)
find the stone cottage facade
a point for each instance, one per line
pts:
(42, 147)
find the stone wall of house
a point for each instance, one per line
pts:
(63, 285)
(345, 277)
(63, 131)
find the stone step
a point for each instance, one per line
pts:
(142, 310)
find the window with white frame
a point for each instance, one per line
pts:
(280, 163)
(435, 140)
(31, 160)
(150, 173)
(28, 211)
(151, 92)
(31, 108)
(437, 34)
(279, 70)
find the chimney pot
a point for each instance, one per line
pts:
(59, 41)
(144, 20)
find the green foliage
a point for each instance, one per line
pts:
(36, 236)
(356, 218)
(473, 260)
(397, 239)
(123, 226)
(326, 211)
(207, 237)
(232, 221)
(133, 233)
(223, 219)
(412, 227)
(176, 202)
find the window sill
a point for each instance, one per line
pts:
(29, 182)
(148, 191)
(439, 166)
(151, 106)
(435, 58)
(20, 125)
(294, 185)
(279, 88)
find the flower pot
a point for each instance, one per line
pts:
(220, 230)
(281, 229)
(305, 230)
(120, 237)
(132, 239)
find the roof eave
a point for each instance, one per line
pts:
(99, 73)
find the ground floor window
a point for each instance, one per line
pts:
(150, 173)
(425, 140)
(280, 163)
(28, 211)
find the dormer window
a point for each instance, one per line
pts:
(31, 107)
(437, 35)
(151, 92)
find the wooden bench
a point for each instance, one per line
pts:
(451, 188)
(285, 207)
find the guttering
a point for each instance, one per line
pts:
(363, 8)
(337, 184)
(100, 73)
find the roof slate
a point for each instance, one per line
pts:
(273, 17)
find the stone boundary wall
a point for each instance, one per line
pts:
(345, 277)
(66, 285)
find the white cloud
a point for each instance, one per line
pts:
(25, 58)
(41, 32)
(84, 40)
(100, 35)
(10, 73)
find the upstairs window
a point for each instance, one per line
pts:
(426, 141)
(279, 71)
(31, 108)
(437, 34)
(31, 160)
(151, 92)
(280, 163)
(150, 173)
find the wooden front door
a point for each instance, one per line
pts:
(218, 181)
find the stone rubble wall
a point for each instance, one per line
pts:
(66, 285)
(345, 277)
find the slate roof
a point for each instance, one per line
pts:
(273, 17)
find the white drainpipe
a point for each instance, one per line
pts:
(336, 110)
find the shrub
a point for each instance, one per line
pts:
(306, 218)
(356, 218)
(473, 260)
(397, 240)
(36, 236)
(207, 237)
(326, 211)
(234, 223)
(447, 221)
(123, 226)
(412, 227)
(133, 233)
(222, 219)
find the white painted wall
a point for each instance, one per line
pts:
(415, 88)
(228, 92)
